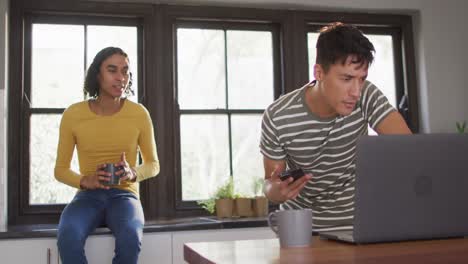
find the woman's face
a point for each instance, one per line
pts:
(113, 76)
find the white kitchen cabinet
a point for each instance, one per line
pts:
(156, 247)
(32, 250)
(100, 249)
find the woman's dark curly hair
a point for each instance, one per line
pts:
(91, 84)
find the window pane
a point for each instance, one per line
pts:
(201, 78)
(44, 188)
(246, 158)
(204, 155)
(382, 70)
(57, 65)
(126, 38)
(311, 42)
(250, 69)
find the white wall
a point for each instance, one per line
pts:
(440, 40)
(443, 60)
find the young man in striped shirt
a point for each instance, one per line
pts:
(316, 127)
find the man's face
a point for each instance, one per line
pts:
(341, 85)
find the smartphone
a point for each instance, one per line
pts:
(294, 173)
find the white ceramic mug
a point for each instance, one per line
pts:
(293, 227)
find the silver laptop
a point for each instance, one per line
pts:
(409, 187)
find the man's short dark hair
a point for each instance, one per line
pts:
(338, 41)
(91, 84)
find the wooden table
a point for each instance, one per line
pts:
(330, 252)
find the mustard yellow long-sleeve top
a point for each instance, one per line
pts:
(102, 139)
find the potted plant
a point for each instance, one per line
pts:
(224, 203)
(260, 203)
(243, 206)
(208, 205)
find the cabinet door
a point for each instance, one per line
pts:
(100, 249)
(18, 251)
(156, 248)
(179, 238)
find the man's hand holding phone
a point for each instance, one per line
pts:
(294, 173)
(282, 186)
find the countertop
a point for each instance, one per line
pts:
(167, 225)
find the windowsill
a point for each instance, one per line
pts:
(180, 224)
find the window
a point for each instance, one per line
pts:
(225, 80)
(58, 53)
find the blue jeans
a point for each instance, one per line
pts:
(120, 210)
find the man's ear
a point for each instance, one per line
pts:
(318, 72)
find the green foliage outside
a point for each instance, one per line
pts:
(258, 187)
(461, 127)
(226, 191)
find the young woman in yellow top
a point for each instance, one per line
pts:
(107, 128)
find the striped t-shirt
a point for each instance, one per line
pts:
(324, 147)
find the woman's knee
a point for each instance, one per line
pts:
(129, 237)
(70, 236)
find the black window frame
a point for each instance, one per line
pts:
(225, 26)
(27, 108)
(400, 27)
(161, 196)
(167, 199)
(20, 109)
